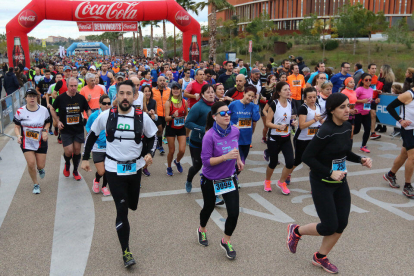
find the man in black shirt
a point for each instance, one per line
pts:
(228, 79)
(71, 106)
(42, 89)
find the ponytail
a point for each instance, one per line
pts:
(209, 121)
(214, 108)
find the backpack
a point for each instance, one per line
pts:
(112, 123)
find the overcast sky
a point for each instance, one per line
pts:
(70, 29)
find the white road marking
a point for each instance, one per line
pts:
(74, 226)
(13, 166)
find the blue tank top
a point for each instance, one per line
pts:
(106, 80)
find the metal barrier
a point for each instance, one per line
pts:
(9, 106)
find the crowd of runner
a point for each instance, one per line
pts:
(125, 109)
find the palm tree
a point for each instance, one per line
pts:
(164, 37)
(133, 43)
(215, 5)
(141, 42)
(188, 5)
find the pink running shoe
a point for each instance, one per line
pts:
(95, 186)
(105, 191)
(267, 186)
(325, 264)
(364, 149)
(283, 188)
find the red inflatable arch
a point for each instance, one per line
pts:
(120, 11)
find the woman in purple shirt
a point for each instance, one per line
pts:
(219, 156)
(363, 104)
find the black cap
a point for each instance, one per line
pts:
(300, 58)
(175, 85)
(31, 91)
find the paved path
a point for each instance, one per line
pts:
(68, 230)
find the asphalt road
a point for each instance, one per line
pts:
(68, 230)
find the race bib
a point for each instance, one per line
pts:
(223, 186)
(126, 168)
(296, 83)
(339, 165)
(179, 121)
(32, 134)
(286, 130)
(312, 131)
(245, 123)
(101, 147)
(367, 106)
(72, 119)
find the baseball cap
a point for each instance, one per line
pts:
(175, 85)
(299, 58)
(26, 69)
(31, 91)
(120, 75)
(255, 70)
(67, 68)
(92, 67)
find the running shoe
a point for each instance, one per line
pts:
(392, 181)
(325, 264)
(408, 191)
(267, 186)
(146, 172)
(50, 132)
(292, 238)
(364, 149)
(66, 170)
(162, 151)
(164, 140)
(264, 140)
(95, 186)
(219, 201)
(395, 133)
(266, 155)
(59, 140)
(105, 191)
(128, 258)
(230, 252)
(42, 173)
(288, 179)
(374, 136)
(187, 141)
(188, 186)
(36, 189)
(170, 171)
(202, 238)
(56, 133)
(179, 168)
(283, 188)
(76, 175)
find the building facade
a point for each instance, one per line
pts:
(287, 14)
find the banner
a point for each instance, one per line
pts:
(44, 43)
(382, 114)
(107, 26)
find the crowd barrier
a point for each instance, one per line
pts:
(382, 114)
(9, 106)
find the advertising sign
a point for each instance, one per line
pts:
(107, 26)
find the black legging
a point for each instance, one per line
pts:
(125, 192)
(366, 121)
(283, 144)
(332, 203)
(197, 163)
(232, 205)
(300, 146)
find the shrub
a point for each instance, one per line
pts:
(313, 62)
(330, 45)
(289, 45)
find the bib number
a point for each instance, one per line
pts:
(101, 147)
(296, 83)
(72, 119)
(367, 106)
(339, 165)
(312, 131)
(126, 168)
(32, 134)
(179, 121)
(245, 123)
(285, 131)
(223, 186)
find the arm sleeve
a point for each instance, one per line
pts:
(309, 156)
(230, 92)
(191, 120)
(351, 156)
(89, 142)
(391, 109)
(58, 85)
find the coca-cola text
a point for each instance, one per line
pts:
(116, 10)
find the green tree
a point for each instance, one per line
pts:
(306, 27)
(373, 23)
(215, 5)
(399, 34)
(319, 28)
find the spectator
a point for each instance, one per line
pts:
(320, 68)
(409, 79)
(5, 67)
(301, 64)
(358, 73)
(338, 79)
(306, 73)
(11, 83)
(21, 78)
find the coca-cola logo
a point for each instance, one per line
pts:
(85, 26)
(194, 53)
(116, 10)
(182, 18)
(27, 18)
(130, 26)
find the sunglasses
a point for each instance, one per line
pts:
(223, 113)
(106, 103)
(367, 79)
